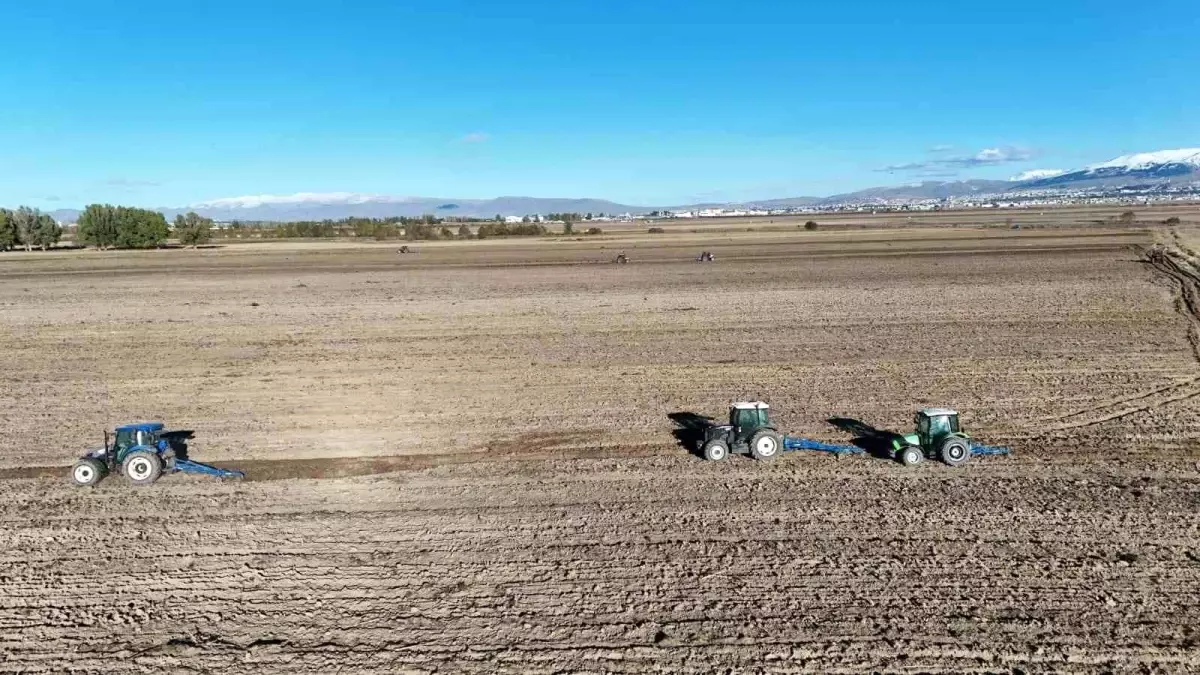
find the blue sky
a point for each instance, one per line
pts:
(167, 104)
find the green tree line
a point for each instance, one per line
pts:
(28, 227)
(107, 226)
(421, 228)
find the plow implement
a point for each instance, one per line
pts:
(982, 450)
(188, 466)
(792, 443)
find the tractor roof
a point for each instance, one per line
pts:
(750, 405)
(935, 412)
(141, 426)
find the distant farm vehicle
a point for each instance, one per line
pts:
(141, 453)
(750, 431)
(706, 256)
(404, 249)
(621, 259)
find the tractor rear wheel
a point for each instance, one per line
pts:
(910, 455)
(764, 444)
(955, 451)
(716, 450)
(87, 471)
(142, 467)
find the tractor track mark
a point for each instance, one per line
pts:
(1122, 401)
(346, 467)
(1119, 415)
(1187, 284)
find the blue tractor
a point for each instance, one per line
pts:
(141, 453)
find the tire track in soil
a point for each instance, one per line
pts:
(1187, 283)
(530, 447)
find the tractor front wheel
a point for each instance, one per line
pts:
(142, 467)
(955, 451)
(910, 455)
(87, 471)
(715, 450)
(764, 444)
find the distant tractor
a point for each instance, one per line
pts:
(937, 435)
(706, 256)
(141, 453)
(621, 259)
(749, 432)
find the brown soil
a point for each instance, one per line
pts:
(461, 460)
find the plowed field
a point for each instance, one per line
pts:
(462, 459)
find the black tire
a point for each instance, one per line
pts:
(765, 444)
(87, 471)
(716, 450)
(142, 467)
(955, 451)
(910, 455)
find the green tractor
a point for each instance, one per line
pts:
(938, 435)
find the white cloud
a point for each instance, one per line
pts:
(998, 155)
(1035, 174)
(475, 137)
(985, 157)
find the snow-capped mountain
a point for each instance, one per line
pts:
(1146, 160)
(1164, 167)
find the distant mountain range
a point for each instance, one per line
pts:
(1148, 169)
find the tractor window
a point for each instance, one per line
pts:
(939, 426)
(744, 418)
(124, 440)
(923, 426)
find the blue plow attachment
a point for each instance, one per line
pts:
(188, 466)
(791, 443)
(989, 450)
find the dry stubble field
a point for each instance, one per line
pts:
(461, 459)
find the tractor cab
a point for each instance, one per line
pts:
(140, 435)
(747, 418)
(934, 424)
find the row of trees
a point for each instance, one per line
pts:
(28, 227)
(506, 230)
(422, 228)
(108, 226)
